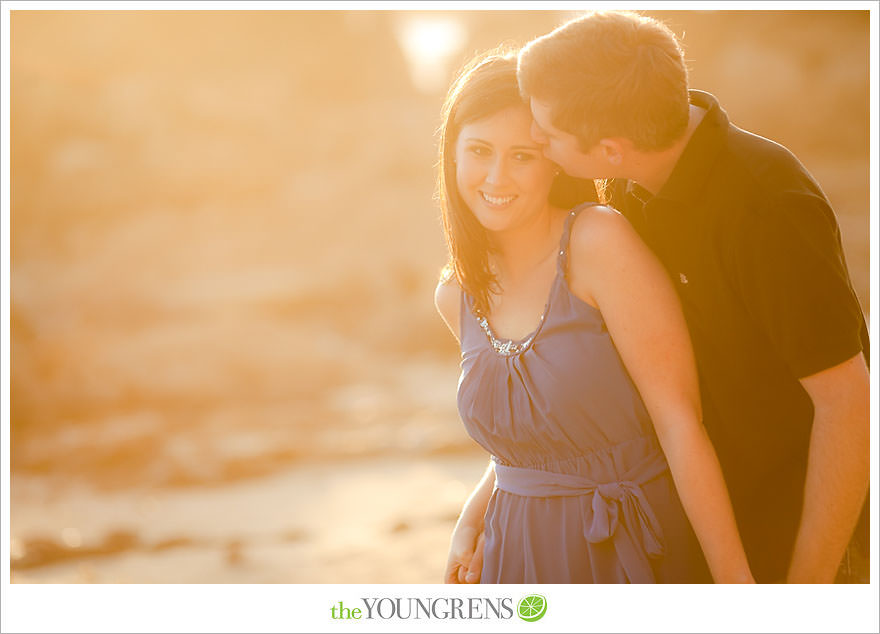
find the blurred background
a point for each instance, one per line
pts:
(226, 364)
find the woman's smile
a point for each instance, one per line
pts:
(497, 201)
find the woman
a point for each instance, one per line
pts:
(572, 344)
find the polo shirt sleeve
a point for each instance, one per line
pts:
(789, 265)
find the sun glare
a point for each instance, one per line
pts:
(429, 45)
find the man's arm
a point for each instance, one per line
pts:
(838, 470)
(788, 263)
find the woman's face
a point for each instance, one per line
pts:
(501, 173)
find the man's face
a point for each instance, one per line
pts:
(563, 148)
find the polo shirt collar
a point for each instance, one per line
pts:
(695, 163)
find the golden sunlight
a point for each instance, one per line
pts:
(429, 45)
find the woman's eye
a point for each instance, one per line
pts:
(479, 150)
(524, 157)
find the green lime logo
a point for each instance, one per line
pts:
(532, 607)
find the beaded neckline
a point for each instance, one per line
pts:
(511, 347)
(506, 347)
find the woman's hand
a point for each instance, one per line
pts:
(465, 563)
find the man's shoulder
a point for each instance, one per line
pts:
(777, 201)
(759, 196)
(744, 155)
(768, 169)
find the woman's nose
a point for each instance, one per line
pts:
(497, 172)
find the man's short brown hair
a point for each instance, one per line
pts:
(610, 74)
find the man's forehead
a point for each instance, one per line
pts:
(539, 106)
(541, 113)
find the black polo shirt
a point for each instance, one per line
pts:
(753, 248)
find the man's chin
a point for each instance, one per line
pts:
(574, 172)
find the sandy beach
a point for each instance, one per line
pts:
(373, 520)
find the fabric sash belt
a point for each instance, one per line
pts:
(621, 511)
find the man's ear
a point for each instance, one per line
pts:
(613, 150)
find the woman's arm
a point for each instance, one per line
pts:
(465, 562)
(447, 299)
(614, 270)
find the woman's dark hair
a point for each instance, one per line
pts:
(485, 86)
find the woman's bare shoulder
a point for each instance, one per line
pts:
(600, 232)
(602, 240)
(447, 299)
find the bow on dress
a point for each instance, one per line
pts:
(621, 511)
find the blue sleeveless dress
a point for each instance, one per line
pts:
(583, 493)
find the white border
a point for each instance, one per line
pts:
(306, 608)
(432, 5)
(5, 288)
(285, 608)
(874, 214)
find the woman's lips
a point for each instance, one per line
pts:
(497, 201)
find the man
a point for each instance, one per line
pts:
(754, 249)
